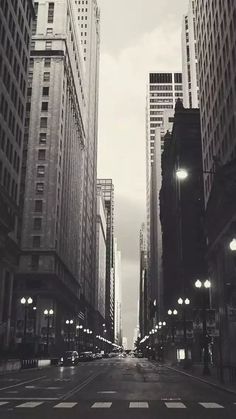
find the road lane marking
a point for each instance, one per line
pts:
(101, 405)
(30, 387)
(212, 405)
(80, 386)
(3, 403)
(30, 398)
(65, 405)
(173, 405)
(29, 405)
(23, 382)
(107, 392)
(138, 405)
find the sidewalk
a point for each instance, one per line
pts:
(196, 372)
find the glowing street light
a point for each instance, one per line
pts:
(181, 174)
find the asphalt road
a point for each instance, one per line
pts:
(111, 388)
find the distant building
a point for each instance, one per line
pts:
(155, 268)
(100, 284)
(143, 303)
(163, 90)
(107, 188)
(15, 33)
(118, 295)
(125, 343)
(189, 59)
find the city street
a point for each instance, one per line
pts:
(126, 387)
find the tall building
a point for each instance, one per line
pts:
(15, 23)
(118, 295)
(100, 284)
(216, 63)
(52, 177)
(143, 303)
(182, 206)
(88, 21)
(189, 59)
(162, 93)
(216, 40)
(108, 192)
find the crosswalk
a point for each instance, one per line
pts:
(114, 405)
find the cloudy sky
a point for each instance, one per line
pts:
(137, 36)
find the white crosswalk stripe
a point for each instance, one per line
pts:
(138, 405)
(30, 405)
(101, 405)
(111, 404)
(211, 405)
(175, 405)
(65, 405)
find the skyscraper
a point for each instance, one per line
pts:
(162, 92)
(15, 23)
(88, 21)
(216, 64)
(143, 309)
(189, 59)
(100, 285)
(118, 295)
(52, 175)
(108, 192)
(216, 40)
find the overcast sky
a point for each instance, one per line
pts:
(137, 36)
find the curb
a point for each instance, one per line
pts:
(218, 386)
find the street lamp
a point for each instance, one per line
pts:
(183, 303)
(69, 322)
(172, 314)
(26, 302)
(48, 314)
(181, 174)
(232, 245)
(204, 286)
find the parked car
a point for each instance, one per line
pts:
(86, 356)
(69, 358)
(98, 355)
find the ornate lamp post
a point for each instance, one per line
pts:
(172, 314)
(69, 324)
(204, 286)
(183, 303)
(48, 314)
(26, 302)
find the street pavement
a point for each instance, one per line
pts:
(111, 388)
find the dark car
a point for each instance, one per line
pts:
(86, 356)
(69, 358)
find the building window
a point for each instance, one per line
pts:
(45, 91)
(49, 31)
(38, 205)
(39, 188)
(46, 76)
(43, 122)
(48, 45)
(50, 12)
(37, 224)
(42, 154)
(47, 62)
(44, 106)
(40, 171)
(42, 138)
(35, 260)
(36, 241)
